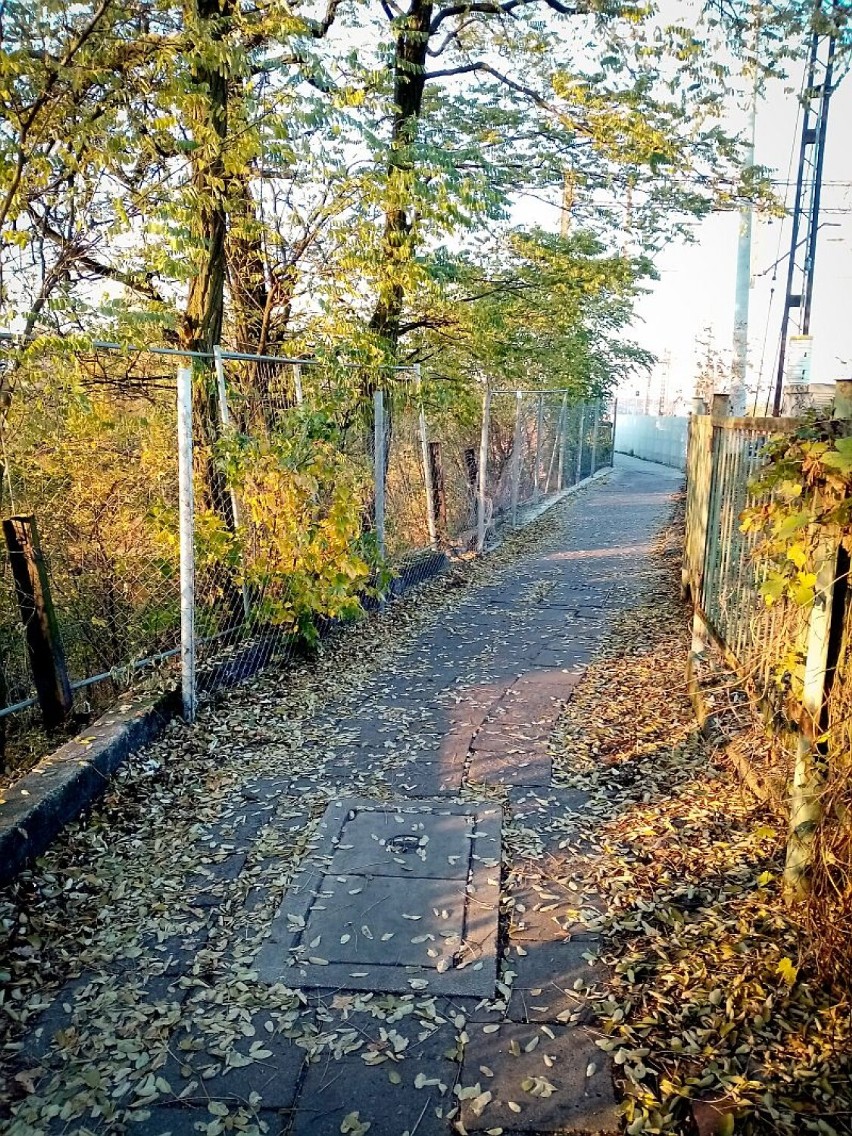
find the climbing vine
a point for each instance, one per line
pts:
(801, 513)
(803, 499)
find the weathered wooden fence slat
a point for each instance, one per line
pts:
(41, 628)
(723, 577)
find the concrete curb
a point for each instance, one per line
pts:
(532, 513)
(38, 806)
(64, 784)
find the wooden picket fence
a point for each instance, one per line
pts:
(722, 574)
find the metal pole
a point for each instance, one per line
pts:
(186, 514)
(427, 465)
(538, 431)
(297, 383)
(517, 445)
(483, 471)
(813, 135)
(579, 476)
(219, 364)
(743, 281)
(614, 423)
(379, 469)
(563, 441)
(822, 125)
(595, 421)
(553, 452)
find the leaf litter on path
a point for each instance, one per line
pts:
(704, 1001)
(665, 857)
(147, 914)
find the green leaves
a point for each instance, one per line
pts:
(840, 458)
(786, 525)
(773, 587)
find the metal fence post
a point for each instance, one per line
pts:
(517, 445)
(596, 417)
(582, 427)
(557, 435)
(539, 427)
(379, 468)
(563, 438)
(297, 383)
(186, 513)
(427, 464)
(221, 390)
(614, 424)
(483, 471)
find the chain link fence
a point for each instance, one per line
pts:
(89, 485)
(285, 496)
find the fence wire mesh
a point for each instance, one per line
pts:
(539, 444)
(724, 459)
(313, 498)
(285, 533)
(90, 454)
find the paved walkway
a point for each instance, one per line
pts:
(427, 964)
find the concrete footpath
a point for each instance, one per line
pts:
(383, 930)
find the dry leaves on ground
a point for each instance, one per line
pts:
(706, 1000)
(110, 903)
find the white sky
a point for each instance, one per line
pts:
(696, 286)
(696, 289)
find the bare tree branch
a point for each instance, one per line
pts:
(318, 28)
(486, 69)
(74, 255)
(497, 9)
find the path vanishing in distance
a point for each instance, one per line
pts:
(374, 919)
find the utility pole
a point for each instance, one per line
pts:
(743, 284)
(663, 405)
(800, 266)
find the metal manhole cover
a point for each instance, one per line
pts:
(395, 898)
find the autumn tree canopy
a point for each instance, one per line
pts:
(361, 177)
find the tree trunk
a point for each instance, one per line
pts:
(268, 387)
(398, 240)
(201, 326)
(399, 237)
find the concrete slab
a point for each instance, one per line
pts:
(388, 842)
(394, 1097)
(360, 922)
(508, 737)
(489, 768)
(555, 1076)
(543, 989)
(204, 1064)
(396, 898)
(173, 1121)
(425, 779)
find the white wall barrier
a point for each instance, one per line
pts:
(652, 438)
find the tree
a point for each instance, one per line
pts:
(714, 370)
(538, 311)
